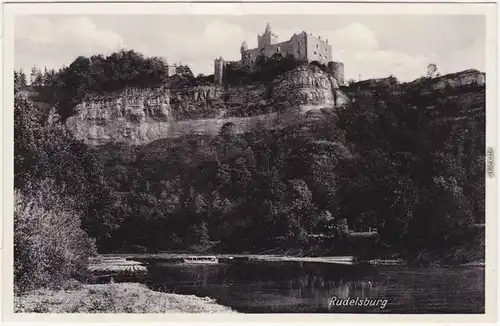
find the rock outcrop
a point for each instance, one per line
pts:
(460, 79)
(138, 116)
(455, 80)
(307, 86)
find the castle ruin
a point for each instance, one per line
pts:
(304, 47)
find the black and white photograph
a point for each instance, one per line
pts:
(322, 163)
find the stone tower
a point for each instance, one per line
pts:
(268, 38)
(243, 49)
(218, 70)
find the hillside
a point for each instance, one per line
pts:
(288, 165)
(138, 116)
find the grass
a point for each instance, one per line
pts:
(113, 298)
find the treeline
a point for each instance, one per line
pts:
(98, 74)
(57, 192)
(384, 161)
(265, 70)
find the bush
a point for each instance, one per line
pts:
(265, 70)
(49, 245)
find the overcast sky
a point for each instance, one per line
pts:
(370, 46)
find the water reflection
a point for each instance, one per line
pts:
(308, 287)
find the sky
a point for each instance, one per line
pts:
(370, 46)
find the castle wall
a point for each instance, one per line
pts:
(296, 46)
(250, 56)
(318, 50)
(171, 70)
(301, 46)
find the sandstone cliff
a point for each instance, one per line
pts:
(138, 116)
(463, 78)
(459, 79)
(306, 86)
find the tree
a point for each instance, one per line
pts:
(260, 61)
(21, 78)
(185, 71)
(98, 75)
(50, 246)
(432, 71)
(17, 82)
(351, 81)
(299, 200)
(45, 150)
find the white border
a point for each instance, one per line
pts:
(11, 9)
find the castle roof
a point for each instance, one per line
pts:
(268, 28)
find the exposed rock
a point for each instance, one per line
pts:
(129, 105)
(305, 86)
(142, 115)
(189, 102)
(459, 79)
(463, 78)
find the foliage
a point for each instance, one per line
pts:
(266, 69)
(432, 71)
(385, 161)
(321, 66)
(379, 163)
(44, 150)
(99, 74)
(49, 244)
(19, 80)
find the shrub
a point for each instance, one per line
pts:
(49, 245)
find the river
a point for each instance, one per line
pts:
(302, 287)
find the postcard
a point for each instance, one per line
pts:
(258, 162)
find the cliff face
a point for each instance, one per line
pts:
(305, 86)
(456, 80)
(138, 116)
(464, 78)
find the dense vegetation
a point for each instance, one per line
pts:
(99, 75)
(55, 192)
(266, 69)
(382, 162)
(403, 159)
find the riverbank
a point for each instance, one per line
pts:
(178, 258)
(113, 298)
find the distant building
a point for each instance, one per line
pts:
(218, 70)
(302, 46)
(171, 70)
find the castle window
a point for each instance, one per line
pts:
(326, 50)
(278, 49)
(316, 45)
(315, 52)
